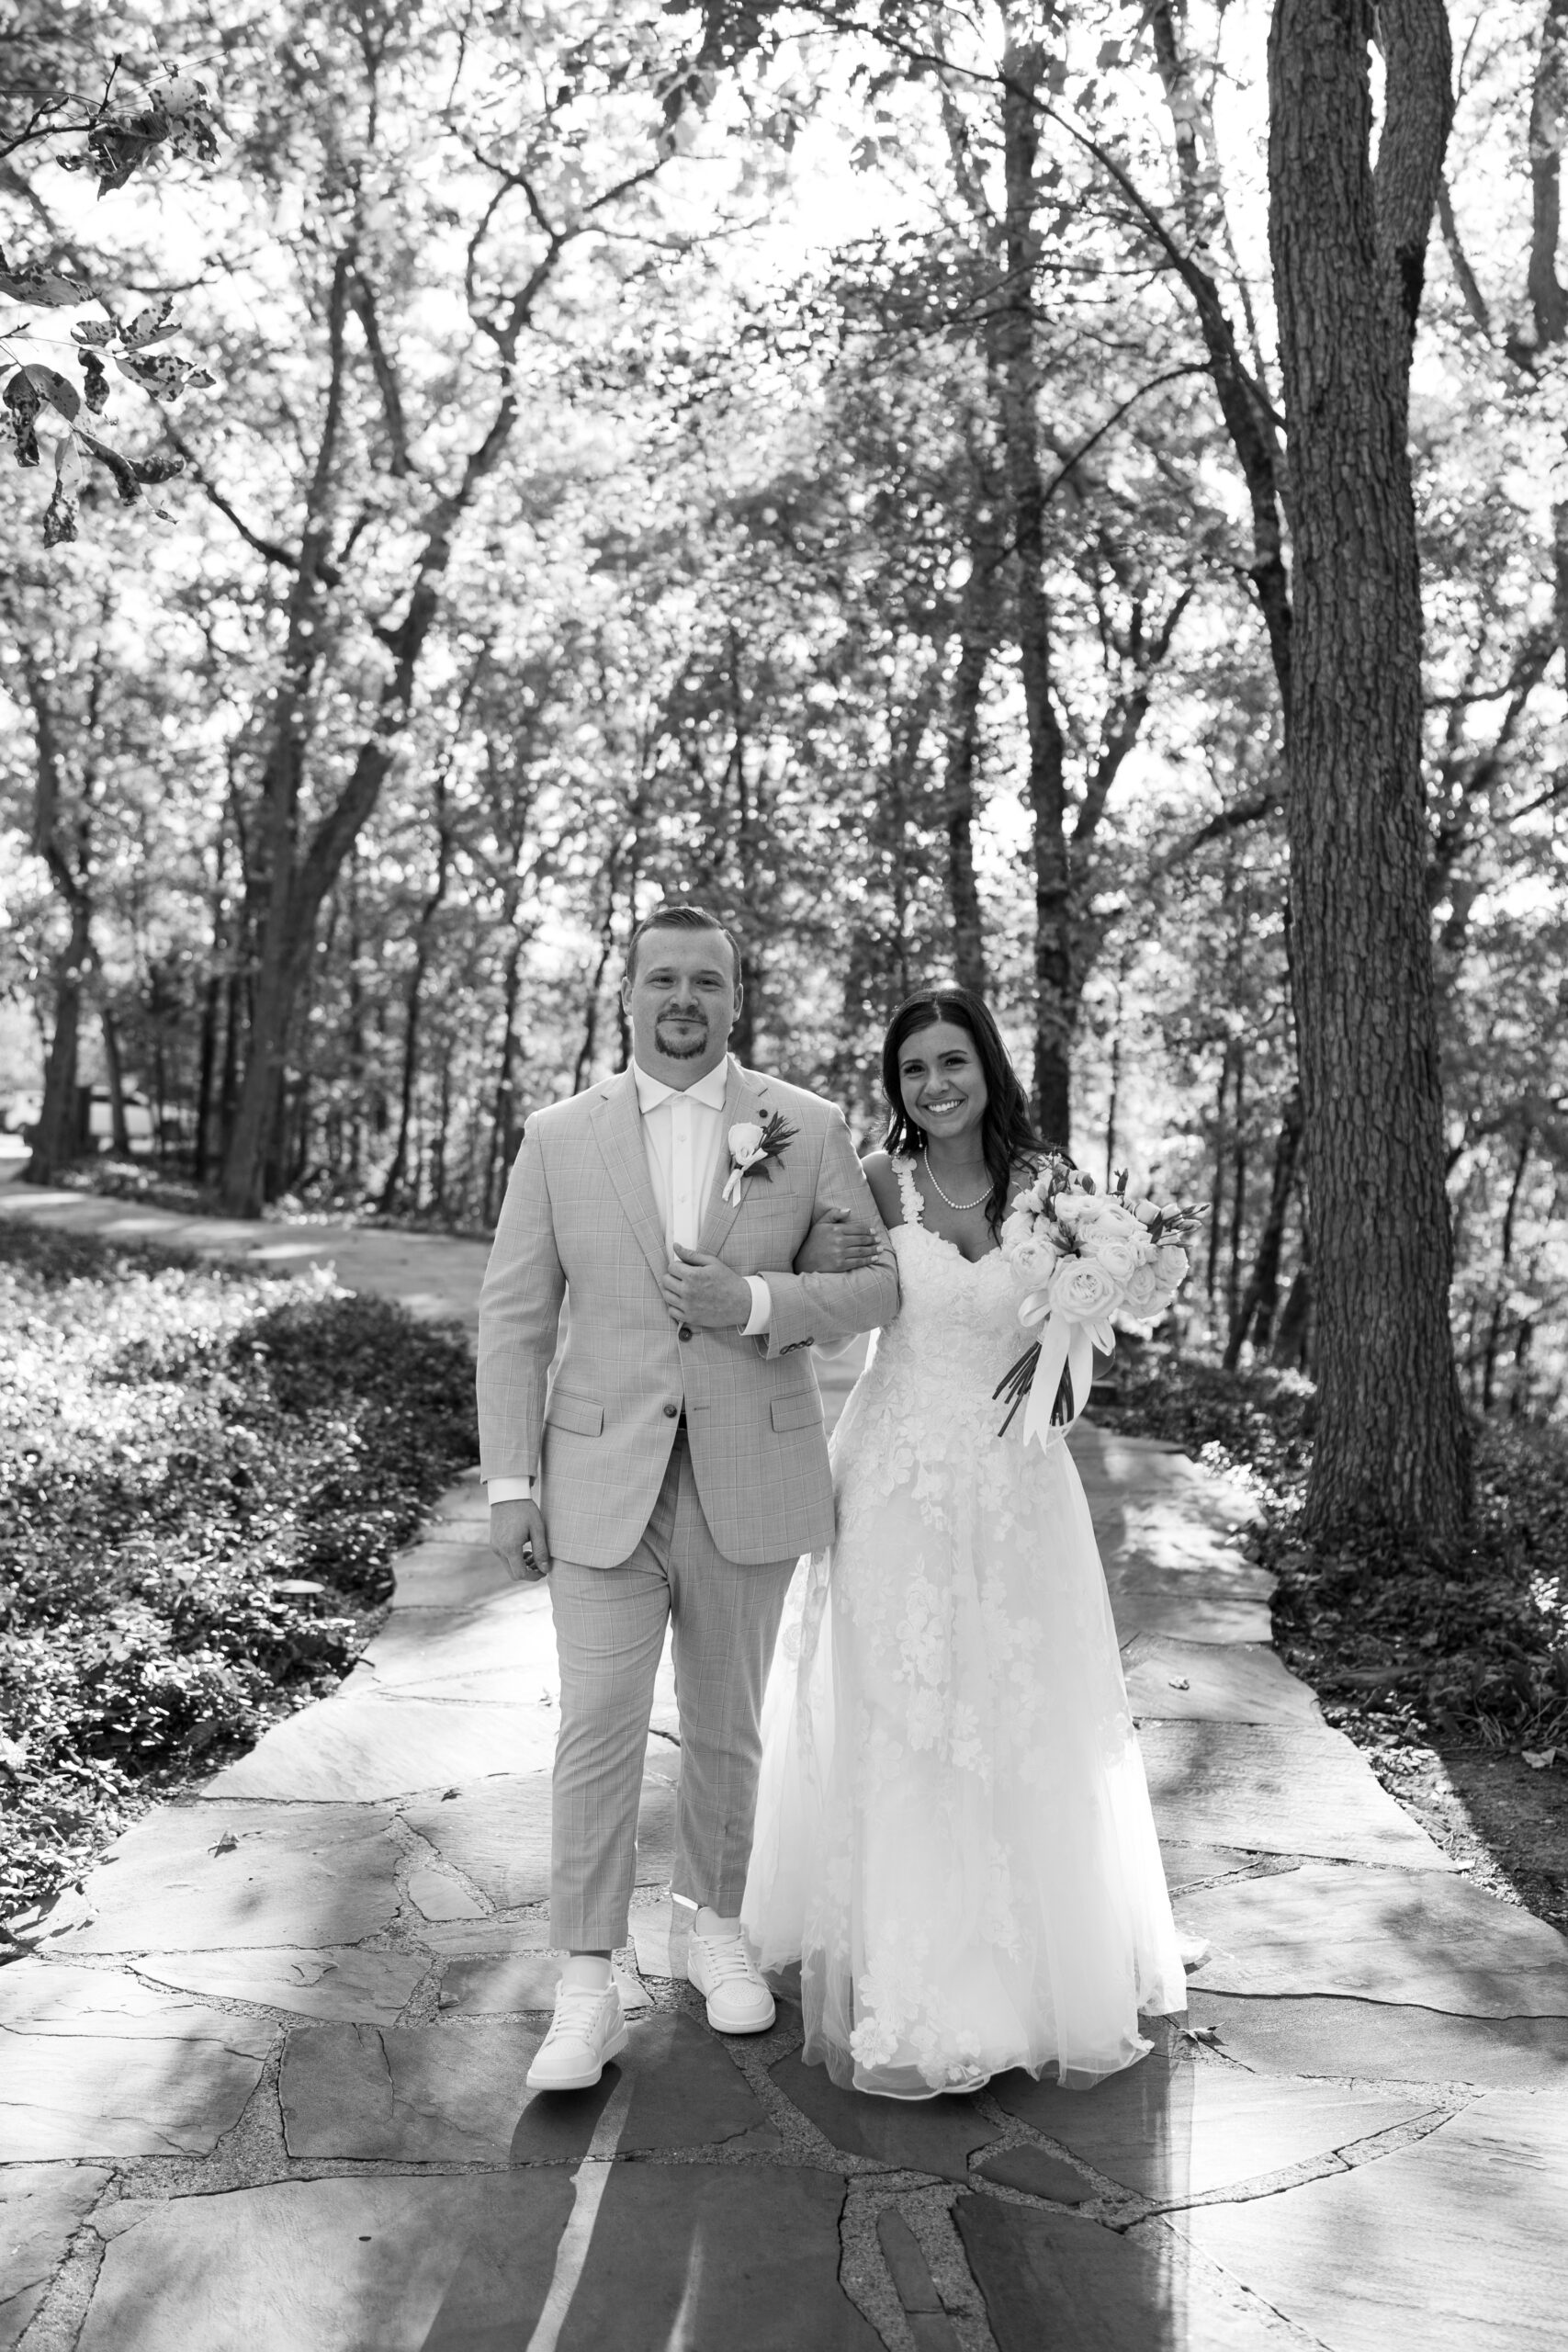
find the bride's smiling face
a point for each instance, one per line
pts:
(941, 1083)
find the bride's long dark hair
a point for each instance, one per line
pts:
(1007, 1131)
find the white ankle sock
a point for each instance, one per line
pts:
(708, 1923)
(587, 1968)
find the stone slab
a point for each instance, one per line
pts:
(516, 1984)
(348, 2265)
(1454, 2244)
(498, 1834)
(1038, 2174)
(40, 2208)
(484, 1939)
(906, 2263)
(243, 1874)
(1242, 1683)
(687, 2092)
(53, 1996)
(1278, 1788)
(438, 1575)
(684, 2259)
(1175, 2128)
(933, 2135)
(1054, 2283)
(1375, 2042)
(505, 1647)
(437, 1897)
(1406, 1936)
(371, 1747)
(1187, 1866)
(427, 2095)
(94, 2093)
(1151, 1606)
(341, 1984)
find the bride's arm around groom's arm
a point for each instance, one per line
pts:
(828, 1308)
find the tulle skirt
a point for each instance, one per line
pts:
(954, 1836)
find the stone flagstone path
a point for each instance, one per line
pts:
(262, 2081)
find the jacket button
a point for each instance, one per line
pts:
(671, 1411)
(684, 1332)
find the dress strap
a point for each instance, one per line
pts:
(909, 1191)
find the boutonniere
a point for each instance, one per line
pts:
(751, 1147)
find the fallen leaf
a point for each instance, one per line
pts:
(1540, 1758)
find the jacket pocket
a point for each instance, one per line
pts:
(579, 1414)
(798, 1410)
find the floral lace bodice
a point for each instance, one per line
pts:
(957, 1330)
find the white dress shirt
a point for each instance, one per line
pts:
(683, 1133)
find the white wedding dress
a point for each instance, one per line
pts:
(953, 1834)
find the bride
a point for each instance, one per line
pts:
(953, 1834)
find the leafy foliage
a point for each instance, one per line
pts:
(73, 103)
(1469, 1644)
(203, 1479)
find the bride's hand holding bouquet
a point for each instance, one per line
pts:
(1082, 1259)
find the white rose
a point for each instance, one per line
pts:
(1032, 1261)
(1016, 1227)
(1082, 1291)
(1145, 1294)
(1171, 1264)
(1108, 1250)
(745, 1139)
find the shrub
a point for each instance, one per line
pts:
(180, 1445)
(1468, 1643)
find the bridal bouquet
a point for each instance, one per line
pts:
(1079, 1258)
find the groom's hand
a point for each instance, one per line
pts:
(517, 1534)
(705, 1292)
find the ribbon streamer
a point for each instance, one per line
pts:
(1064, 1347)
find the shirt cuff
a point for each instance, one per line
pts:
(509, 1490)
(762, 1313)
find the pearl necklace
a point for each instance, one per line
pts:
(944, 1196)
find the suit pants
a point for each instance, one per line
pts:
(610, 1625)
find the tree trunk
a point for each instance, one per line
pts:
(1549, 126)
(56, 1134)
(1260, 1299)
(1392, 1443)
(393, 1188)
(1024, 69)
(297, 887)
(978, 622)
(119, 1126)
(1242, 403)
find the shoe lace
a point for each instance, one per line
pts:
(728, 1957)
(577, 2008)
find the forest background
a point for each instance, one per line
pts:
(607, 486)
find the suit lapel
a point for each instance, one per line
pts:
(745, 1097)
(617, 1128)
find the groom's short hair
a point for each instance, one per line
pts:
(680, 915)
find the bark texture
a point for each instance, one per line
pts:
(1024, 71)
(1348, 253)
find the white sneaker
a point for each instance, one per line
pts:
(722, 1968)
(587, 2031)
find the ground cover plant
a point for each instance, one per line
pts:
(204, 1475)
(1448, 1665)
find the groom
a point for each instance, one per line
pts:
(675, 1466)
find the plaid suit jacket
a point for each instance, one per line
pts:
(580, 1232)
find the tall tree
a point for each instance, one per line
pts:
(1348, 244)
